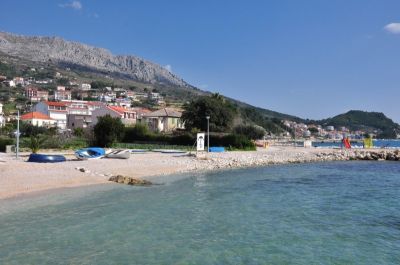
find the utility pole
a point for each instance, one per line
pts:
(208, 133)
(17, 148)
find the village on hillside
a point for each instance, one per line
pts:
(78, 105)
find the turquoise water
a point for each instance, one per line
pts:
(325, 213)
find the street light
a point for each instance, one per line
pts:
(17, 147)
(208, 133)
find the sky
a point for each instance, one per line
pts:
(313, 58)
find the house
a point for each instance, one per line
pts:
(86, 86)
(38, 119)
(9, 83)
(164, 120)
(78, 121)
(123, 102)
(35, 94)
(62, 94)
(128, 116)
(19, 81)
(55, 110)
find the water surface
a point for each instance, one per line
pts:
(323, 213)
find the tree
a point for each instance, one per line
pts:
(221, 114)
(35, 143)
(108, 130)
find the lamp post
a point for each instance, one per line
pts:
(208, 133)
(17, 147)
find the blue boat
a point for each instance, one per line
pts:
(41, 158)
(218, 149)
(90, 153)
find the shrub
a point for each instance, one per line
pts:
(253, 132)
(139, 132)
(79, 132)
(4, 142)
(233, 141)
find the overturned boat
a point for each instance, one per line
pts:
(121, 154)
(42, 158)
(90, 153)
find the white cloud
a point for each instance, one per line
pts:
(168, 67)
(393, 28)
(77, 5)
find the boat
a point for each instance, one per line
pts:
(42, 158)
(216, 149)
(171, 151)
(90, 153)
(139, 151)
(121, 154)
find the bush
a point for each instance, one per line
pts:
(233, 142)
(253, 132)
(79, 132)
(4, 142)
(29, 130)
(139, 132)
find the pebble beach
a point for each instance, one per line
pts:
(18, 177)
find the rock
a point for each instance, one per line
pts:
(129, 181)
(82, 169)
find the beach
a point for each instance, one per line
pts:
(18, 177)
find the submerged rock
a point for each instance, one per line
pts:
(129, 181)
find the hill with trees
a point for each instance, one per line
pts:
(367, 121)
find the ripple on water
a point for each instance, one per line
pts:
(323, 213)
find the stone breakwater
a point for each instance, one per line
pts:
(242, 159)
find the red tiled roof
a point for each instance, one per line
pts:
(56, 104)
(95, 103)
(120, 110)
(35, 115)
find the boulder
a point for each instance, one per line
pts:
(129, 181)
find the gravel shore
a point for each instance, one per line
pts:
(20, 177)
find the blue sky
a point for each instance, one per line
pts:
(313, 58)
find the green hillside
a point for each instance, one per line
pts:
(367, 121)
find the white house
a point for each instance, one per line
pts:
(128, 116)
(56, 110)
(86, 86)
(38, 119)
(62, 94)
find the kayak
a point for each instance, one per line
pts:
(90, 153)
(41, 158)
(217, 149)
(121, 154)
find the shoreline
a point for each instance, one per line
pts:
(19, 178)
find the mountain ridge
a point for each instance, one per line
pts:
(55, 50)
(61, 51)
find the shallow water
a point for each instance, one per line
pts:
(323, 213)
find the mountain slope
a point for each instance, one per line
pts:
(67, 53)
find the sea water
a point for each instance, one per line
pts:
(322, 213)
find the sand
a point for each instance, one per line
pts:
(19, 177)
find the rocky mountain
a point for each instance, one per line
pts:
(74, 54)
